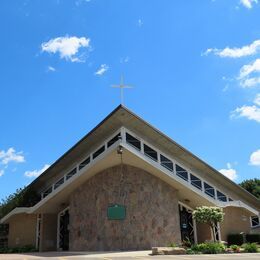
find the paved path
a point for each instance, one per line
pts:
(123, 255)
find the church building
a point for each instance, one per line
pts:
(127, 186)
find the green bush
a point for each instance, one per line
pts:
(235, 239)
(250, 247)
(189, 251)
(253, 238)
(22, 249)
(235, 248)
(172, 244)
(209, 248)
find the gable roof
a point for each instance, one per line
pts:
(121, 116)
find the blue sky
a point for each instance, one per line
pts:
(194, 65)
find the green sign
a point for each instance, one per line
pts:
(116, 212)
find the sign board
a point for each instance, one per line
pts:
(116, 212)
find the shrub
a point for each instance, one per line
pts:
(22, 249)
(235, 239)
(209, 248)
(235, 248)
(172, 244)
(253, 238)
(250, 247)
(189, 251)
(187, 243)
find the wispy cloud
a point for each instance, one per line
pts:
(249, 112)
(1, 173)
(102, 69)
(255, 158)
(248, 69)
(249, 74)
(67, 47)
(257, 99)
(11, 156)
(124, 60)
(236, 52)
(140, 22)
(51, 69)
(79, 2)
(229, 172)
(36, 173)
(248, 3)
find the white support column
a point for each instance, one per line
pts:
(195, 231)
(123, 134)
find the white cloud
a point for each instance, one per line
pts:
(257, 99)
(255, 158)
(229, 172)
(250, 112)
(67, 47)
(36, 173)
(103, 68)
(248, 69)
(79, 2)
(235, 52)
(11, 156)
(246, 79)
(1, 173)
(50, 68)
(248, 3)
(250, 82)
(140, 22)
(124, 60)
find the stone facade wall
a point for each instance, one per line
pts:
(152, 216)
(22, 230)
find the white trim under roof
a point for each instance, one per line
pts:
(121, 140)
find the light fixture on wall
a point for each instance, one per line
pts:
(120, 149)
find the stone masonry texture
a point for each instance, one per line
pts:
(152, 217)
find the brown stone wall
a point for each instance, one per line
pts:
(236, 220)
(48, 240)
(152, 217)
(22, 230)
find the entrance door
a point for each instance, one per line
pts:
(63, 229)
(186, 222)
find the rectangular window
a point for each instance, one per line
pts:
(71, 173)
(58, 183)
(221, 196)
(148, 151)
(196, 182)
(133, 141)
(113, 140)
(181, 172)
(209, 190)
(98, 152)
(255, 221)
(167, 163)
(84, 163)
(47, 192)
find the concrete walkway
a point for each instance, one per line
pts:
(122, 255)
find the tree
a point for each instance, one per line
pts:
(252, 186)
(25, 197)
(209, 215)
